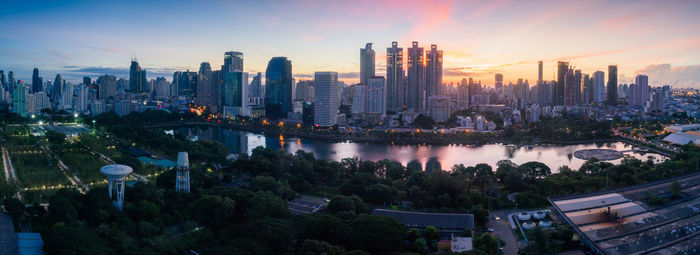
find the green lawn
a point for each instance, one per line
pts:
(34, 168)
(83, 163)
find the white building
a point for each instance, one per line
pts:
(598, 87)
(359, 102)
(376, 95)
(81, 99)
(41, 101)
(67, 97)
(97, 107)
(326, 98)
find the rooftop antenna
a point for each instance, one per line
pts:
(182, 179)
(116, 174)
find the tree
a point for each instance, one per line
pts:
(432, 235)
(675, 189)
(340, 204)
(424, 122)
(212, 211)
(534, 170)
(15, 208)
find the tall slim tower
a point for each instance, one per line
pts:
(37, 84)
(415, 100)
(278, 88)
(499, 80)
(559, 92)
(182, 179)
(325, 98)
(433, 73)
(394, 78)
(366, 63)
(539, 72)
(612, 85)
(116, 176)
(233, 61)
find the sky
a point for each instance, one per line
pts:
(479, 38)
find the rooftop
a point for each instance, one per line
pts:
(626, 224)
(116, 170)
(442, 221)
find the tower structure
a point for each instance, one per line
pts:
(116, 176)
(182, 179)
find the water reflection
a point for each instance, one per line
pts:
(435, 156)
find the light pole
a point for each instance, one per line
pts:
(93, 124)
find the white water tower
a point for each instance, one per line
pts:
(116, 175)
(182, 180)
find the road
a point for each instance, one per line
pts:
(501, 228)
(10, 170)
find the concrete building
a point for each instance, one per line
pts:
(376, 95)
(366, 63)
(440, 108)
(394, 78)
(359, 100)
(326, 98)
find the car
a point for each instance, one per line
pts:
(489, 230)
(497, 218)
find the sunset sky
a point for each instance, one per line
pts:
(479, 38)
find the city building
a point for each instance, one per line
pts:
(326, 98)
(376, 95)
(205, 85)
(440, 108)
(137, 77)
(233, 61)
(256, 86)
(19, 99)
(37, 83)
(599, 87)
(359, 100)
(186, 83)
(415, 98)
(366, 63)
(559, 92)
(433, 73)
(235, 94)
(107, 86)
(278, 88)
(612, 85)
(394, 78)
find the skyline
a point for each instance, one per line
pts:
(639, 37)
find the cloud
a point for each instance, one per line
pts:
(665, 74)
(313, 38)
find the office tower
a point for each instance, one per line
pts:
(559, 92)
(578, 88)
(256, 86)
(87, 81)
(612, 85)
(326, 98)
(666, 90)
(278, 88)
(37, 83)
(162, 89)
(642, 94)
(569, 87)
(217, 84)
(539, 72)
(463, 94)
(599, 87)
(57, 89)
(304, 91)
(499, 81)
(3, 84)
(41, 101)
(415, 98)
(233, 61)
(204, 85)
(655, 105)
(186, 83)
(11, 82)
(366, 63)
(107, 87)
(235, 94)
(433, 73)
(376, 95)
(588, 89)
(19, 98)
(359, 99)
(394, 78)
(137, 77)
(81, 98)
(67, 96)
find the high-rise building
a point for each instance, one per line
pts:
(233, 61)
(107, 87)
(57, 89)
(19, 99)
(278, 88)
(304, 91)
(326, 98)
(499, 81)
(394, 78)
(539, 72)
(433, 73)
(37, 83)
(415, 98)
(587, 89)
(87, 81)
(366, 63)
(204, 85)
(162, 89)
(11, 82)
(137, 77)
(256, 86)
(642, 94)
(81, 98)
(235, 94)
(463, 93)
(599, 87)
(186, 83)
(612, 85)
(3, 84)
(67, 96)
(440, 108)
(359, 99)
(376, 95)
(559, 92)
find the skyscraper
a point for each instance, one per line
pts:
(204, 85)
(599, 87)
(107, 86)
(186, 83)
(359, 99)
(326, 98)
(539, 72)
(376, 95)
(612, 85)
(415, 99)
(562, 69)
(57, 89)
(235, 94)
(256, 86)
(433, 73)
(233, 61)
(278, 88)
(137, 77)
(37, 83)
(366, 63)
(19, 97)
(642, 94)
(499, 80)
(87, 81)
(394, 78)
